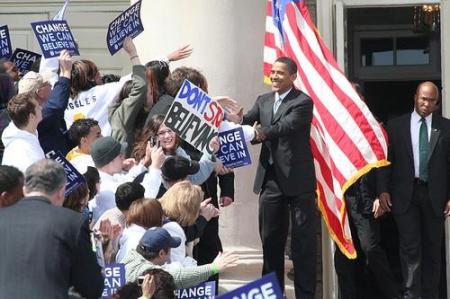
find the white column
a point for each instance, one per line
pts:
(445, 65)
(227, 37)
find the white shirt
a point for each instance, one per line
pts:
(129, 240)
(415, 130)
(280, 97)
(178, 254)
(106, 197)
(21, 148)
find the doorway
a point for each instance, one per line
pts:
(389, 52)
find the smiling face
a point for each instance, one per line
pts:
(167, 138)
(281, 79)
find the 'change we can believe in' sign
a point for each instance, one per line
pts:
(266, 287)
(24, 59)
(129, 23)
(74, 178)
(53, 37)
(233, 149)
(5, 42)
(206, 290)
(114, 279)
(195, 117)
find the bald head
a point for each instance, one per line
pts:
(426, 99)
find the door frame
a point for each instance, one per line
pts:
(331, 22)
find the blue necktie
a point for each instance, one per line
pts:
(277, 103)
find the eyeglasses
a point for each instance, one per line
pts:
(162, 133)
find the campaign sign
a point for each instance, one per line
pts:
(53, 37)
(114, 279)
(266, 287)
(195, 117)
(74, 178)
(127, 24)
(206, 290)
(233, 149)
(5, 42)
(24, 59)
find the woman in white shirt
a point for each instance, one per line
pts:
(181, 207)
(142, 215)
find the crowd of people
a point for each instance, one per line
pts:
(150, 201)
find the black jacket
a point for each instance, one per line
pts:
(399, 177)
(288, 133)
(45, 249)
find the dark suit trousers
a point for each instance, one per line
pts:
(420, 233)
(366, 233)
(274, 210)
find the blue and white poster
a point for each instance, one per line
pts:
(195, 117)
(129, 23)
(53, 37)
(24, 59)
(233, 149)
(206, 290)
(74, 178)
(114, 279)
(267, 287)
(5, 42)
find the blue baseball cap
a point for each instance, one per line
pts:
(157, 238)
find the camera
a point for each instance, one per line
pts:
(140, 280)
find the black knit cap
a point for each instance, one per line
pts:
(106, 149)
(177, 168)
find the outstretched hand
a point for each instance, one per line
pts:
(180, 53)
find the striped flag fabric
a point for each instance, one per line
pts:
(346, 139)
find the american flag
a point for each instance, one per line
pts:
(346, 139)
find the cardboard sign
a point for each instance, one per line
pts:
(74, 178)
(206, 290)
(195, 117)
(5, 42)
(24, 59)
(53, 37)
(233, 149)
(127, 24)
(114, 279)
(267, 287)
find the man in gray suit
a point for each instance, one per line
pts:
(45, 248)
(285, 179)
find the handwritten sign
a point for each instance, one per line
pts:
(233, 149)
(195, 117)
(206, 290)
(267, 287)
(24, 59)
(53, 37)
(5, 42)
(127, 24)
(74, 178)
(114, 279)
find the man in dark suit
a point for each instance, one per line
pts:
(285, 178)
(419, 181)
(45, 248)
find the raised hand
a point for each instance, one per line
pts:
(180, 53)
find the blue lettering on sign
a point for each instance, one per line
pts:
(53, 37)
(114, 279)
(233, 149)
(5, 42)
(265, 288)
(128, 23)
(24, 59)
(206, 290)
(194, 96)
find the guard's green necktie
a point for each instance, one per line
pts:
(423, 150)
